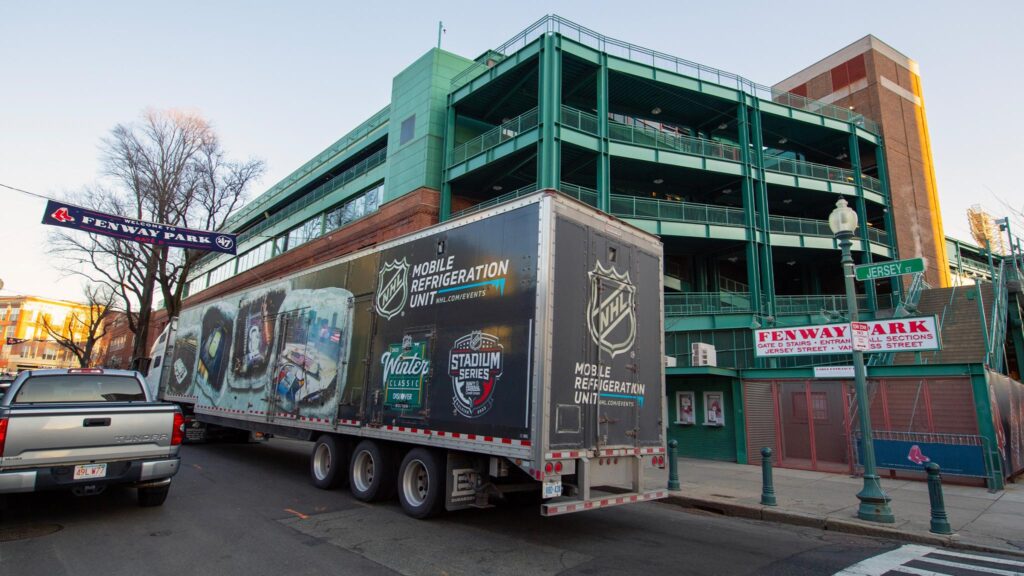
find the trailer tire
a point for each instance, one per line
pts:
(421, 483)
(371, 472)
(327, 465)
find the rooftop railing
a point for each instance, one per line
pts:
(507, 131)
(269, 197)
(641, 55)
(317, 194)
(697, 303)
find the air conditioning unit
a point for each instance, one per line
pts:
(702, 354)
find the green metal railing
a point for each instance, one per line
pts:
(507, 131)
(640, 55)
(579, 120)
(820, 171)
(654, 138)
(697, 303)
(585, 195)
(319, 193)
(637, 207)
(507, 197)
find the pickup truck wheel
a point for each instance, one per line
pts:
(371, 474)
(327, 466)
(421, 483)
(154, 495)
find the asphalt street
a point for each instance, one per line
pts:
(249, 509)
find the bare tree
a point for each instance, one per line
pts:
(167, 168)
(84, 328)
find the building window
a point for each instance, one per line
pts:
(304, 232)
(355, 208)
(222, 272)
(408, 130)
(254, 257)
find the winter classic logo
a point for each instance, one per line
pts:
(611, 315)
(474, 364)
(392, 288)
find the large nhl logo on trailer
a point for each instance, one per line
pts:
(611, 316)
(474, 364)
(392, 288)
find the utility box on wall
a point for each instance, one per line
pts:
(702, 354)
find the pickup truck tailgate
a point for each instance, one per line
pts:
(51, 434)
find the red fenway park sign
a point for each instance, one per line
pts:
(893, 335)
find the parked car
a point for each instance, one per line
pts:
(85, 429)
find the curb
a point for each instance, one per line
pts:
(834, 524)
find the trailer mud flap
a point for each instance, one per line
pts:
(462, 479)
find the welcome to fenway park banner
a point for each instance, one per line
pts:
(68, 216)
(892, 335)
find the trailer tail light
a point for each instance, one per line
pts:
(3, 435)
(548, 468)
(658, 461)
(177, 433)
(558, 467)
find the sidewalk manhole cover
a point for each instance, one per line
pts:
(25, 532)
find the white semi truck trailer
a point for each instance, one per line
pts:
(517, 348)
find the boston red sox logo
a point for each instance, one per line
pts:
(61, 215)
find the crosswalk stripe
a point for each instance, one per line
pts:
(975, 567)
(976, 557)
(930, 562)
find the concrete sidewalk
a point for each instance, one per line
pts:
(980, 520)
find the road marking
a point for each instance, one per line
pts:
(297, 513)
(930, 562)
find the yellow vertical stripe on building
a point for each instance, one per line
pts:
(938, 236)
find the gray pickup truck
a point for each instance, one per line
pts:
(85, 429)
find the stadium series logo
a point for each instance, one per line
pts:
(475, 365)
(611, 310)
(392, 288)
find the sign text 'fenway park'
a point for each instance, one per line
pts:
(892, 335)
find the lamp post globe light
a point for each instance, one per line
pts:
(874, 503)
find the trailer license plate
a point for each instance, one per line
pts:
(553, 488)
(86, 471)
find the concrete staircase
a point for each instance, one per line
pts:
(963, 340)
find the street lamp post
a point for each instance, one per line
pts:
(874, 503)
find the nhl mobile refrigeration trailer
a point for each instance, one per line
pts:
(513, 349)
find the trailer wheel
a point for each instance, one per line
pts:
(371, 474)
(421, 483)
(327, 463)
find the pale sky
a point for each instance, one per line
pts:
(281, 81)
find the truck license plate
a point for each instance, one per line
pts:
(85, 471)
(553, 488)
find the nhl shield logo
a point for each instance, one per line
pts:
(392, 288)
(611, 310)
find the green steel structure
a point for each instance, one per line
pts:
(736, 179)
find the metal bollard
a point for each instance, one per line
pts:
(768, 488)
(673, 465)
(940, 521)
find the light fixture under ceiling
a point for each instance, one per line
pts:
(726, 190)
(723, 126)
(733, 259)
(791, 263)
(496, 187)
(655, 110)
(659, 180)
(787, 201)
(783, 140)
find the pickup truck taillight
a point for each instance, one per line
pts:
(177, 434)
(3, 434)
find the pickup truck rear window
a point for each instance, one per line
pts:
(79, 388)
